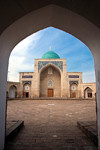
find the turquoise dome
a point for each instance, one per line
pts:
(50, 55)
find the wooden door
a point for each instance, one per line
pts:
(73, 95)
(50, 92)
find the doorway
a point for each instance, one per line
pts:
(12, 92)
(50, 92)
(88, 93)
(27, 94)
(73, 95)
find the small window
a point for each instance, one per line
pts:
(50, 83)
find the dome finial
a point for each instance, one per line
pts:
(50, 48)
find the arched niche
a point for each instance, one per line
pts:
(73, 90)
(26, 90)
(12, 92)
(50, 82)
(88, 93)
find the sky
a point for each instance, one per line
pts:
(77, 54)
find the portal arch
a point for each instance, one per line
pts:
(26, 90)
(50, 15)
(88, 92)
(12, 91)
(73, 90)
(50, 82)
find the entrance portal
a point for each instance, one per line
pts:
(12, 92)
(50, 92)
(50, 82)
(27, 90)
(88, 93)
(73, 90)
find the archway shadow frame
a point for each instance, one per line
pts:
(47, 16)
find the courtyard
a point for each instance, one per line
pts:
(51, 124)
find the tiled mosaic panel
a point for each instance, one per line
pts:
(73, 76)
(59, 64)
(26, 76)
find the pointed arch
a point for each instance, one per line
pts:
(50, 15)
(50, 65)
(88, 92)
(50, 81)
(27, 90)
(74, 90)
(12, 91)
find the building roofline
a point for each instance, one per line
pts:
(50, 59)
(12, 82)
(74, 72)
(26, 72)
(89, 82)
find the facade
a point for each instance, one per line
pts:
(51, 79)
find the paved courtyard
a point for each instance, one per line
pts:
(51, 124)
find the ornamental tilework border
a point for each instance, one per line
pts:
(59, 64)
(71, 82)
(24, 82)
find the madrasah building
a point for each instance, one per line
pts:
(50, 79)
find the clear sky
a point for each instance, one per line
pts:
(79, 57)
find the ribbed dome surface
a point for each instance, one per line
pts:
(50, 55)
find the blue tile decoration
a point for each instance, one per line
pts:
(73, 76)
(27, 76)
(71, 82)
(24, 82)
(59, 64)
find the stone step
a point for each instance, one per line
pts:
(90, 129)
(12, 128)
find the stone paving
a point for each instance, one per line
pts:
(51, 124)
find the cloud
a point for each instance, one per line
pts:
(89, 77)
(20, 56)
(23, 47)
(78, 56)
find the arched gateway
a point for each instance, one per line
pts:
(66, 18)
(88, 92)
(50, 82)
(12, 92)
